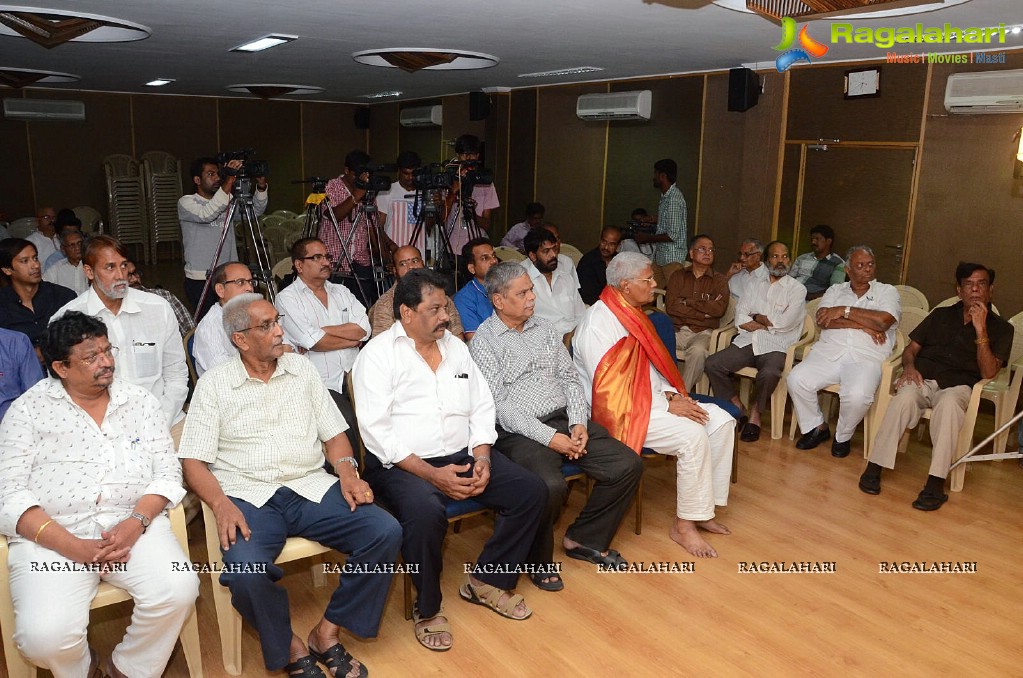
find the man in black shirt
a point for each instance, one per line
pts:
(950, 351)
(592, 268)
(28, 301)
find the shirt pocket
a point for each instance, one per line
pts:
(146, 359)
(454, 392)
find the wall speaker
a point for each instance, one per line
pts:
(479, 105)
(743, 89)
(362, 118)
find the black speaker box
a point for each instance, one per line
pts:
(479, 105)
(743, 89)
(361, 118)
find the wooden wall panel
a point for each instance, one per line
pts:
(788, 207)
(272, 129)
(426, 141)
(457, 123)
(521, 153)
(185, 127)
(383, 131)
(496, 137)
(17, 198)
(328, 134)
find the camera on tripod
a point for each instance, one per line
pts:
(250, 168)
(376, 183)
(474, 174)
(427, 179)
(631, 228)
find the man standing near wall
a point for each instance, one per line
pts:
(670, 239)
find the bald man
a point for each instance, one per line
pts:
(381, 314)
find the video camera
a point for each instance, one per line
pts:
(427, 179)
(376, 183)
(475, 174)
(631, 228)
(250, 168)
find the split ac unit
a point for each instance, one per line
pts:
(985, 92)
(43, 109)
(615, 106)
(422, 116)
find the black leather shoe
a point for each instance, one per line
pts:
(927, 501)
(815, 437)
(841, 449)
(750, 433)
(870, 484)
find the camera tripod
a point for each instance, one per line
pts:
(241, 203)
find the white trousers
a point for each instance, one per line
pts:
(51, 608)
(857, 379)
(703, 454)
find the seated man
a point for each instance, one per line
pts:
(44, 237)
(950, 351)
(820, 268)
(748, 268)
(19, 367)
(68, 271)
(258, 430)
(556, 286)
(534, 219)
(769, 317)
(592, 268)
(27, 302)
(472, 301)
(857, 321)
(87, 468)
(381, 314)
(181, 313)
(66, 221)
(618, 352)
(542, 421)
(212, 344)
(696, 299)
(324, 319)
(427, 419)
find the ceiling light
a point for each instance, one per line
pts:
(20, 77)
(51, 28)
(266, 42)
(272, 91)
(159, 82)
(412, 59)
(1016, 30)
(834, 9)
(563, 71)
(382, 95)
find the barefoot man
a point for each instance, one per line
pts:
(618, 352)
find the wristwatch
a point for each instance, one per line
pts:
(346, 460)
(846, 314)
(142, 519)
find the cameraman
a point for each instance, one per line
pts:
(202, 215)
(640, 221)
(345, 194)
(483, 200)
(395, 208)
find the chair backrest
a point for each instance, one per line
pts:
(505, 253)
(20, 228)
(1017, 338)
(912, 297)
(282, 268)
(729, 317)
(92, 221)
(271, 220)
(189, 341)
(911, 317)
(286, 214)
(952, 301)
(572, 252)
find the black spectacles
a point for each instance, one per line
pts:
(240, 282)
(318, 257)
(267, 326)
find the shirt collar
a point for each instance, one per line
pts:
(535, 273)
(94, 305)
(501, 328)
(239, 375)
(118, 396)
(399, 336)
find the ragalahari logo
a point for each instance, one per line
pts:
(808, 47)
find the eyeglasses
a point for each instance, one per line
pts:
(267, 326)
(705, 250)
(318, 257)
(110, 352)
(743, 255)
(650, 281)
(240, 282)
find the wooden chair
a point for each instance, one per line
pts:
(911, 297)
(107, 594)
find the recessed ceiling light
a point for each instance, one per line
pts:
(562, 71)
(274, 90)
(382, 95)
(20, 77)
(51, 28)
(1016, 30)
(412, 59)
(159, 82)
(266, 42)
(798, 9)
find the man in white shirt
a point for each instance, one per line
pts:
(45, 236)
(141, 325)
(748, 268)
(69, 272)
(770, 319)
(326, 320)
(202, 217)
(427, 419)
(212, 346)
(259, 428)
(556, 286)
(858, 321)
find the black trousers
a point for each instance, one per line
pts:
(518, 496)
(722, 365)
(614, 467)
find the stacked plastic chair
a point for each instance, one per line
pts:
(161, 174)
(126, 202)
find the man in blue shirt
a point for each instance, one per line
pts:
(19, 367)
(472, 301)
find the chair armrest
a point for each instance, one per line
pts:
(965, 441)
(659, 296)
(722, 337)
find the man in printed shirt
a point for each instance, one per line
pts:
(427, 420)
(258, 430)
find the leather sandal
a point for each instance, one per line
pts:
(304, 667)
(431, 630)
(490, 597)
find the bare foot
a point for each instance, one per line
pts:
(713, 526)
(436, 639)
(684, 532)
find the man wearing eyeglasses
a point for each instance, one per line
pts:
(212, 346)
(45, 236)
(69, 271)
(695, 301)
(747, 269)
(381, 314)
(324, 319)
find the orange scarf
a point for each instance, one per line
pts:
(621, 384)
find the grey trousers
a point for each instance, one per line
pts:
(722, 365)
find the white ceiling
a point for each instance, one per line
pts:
(627, 38)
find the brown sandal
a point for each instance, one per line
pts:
(431, 630)
(490, 596)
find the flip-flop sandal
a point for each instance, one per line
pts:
(490, 596)
(554, 583)
(612, 559)
(434, 628)
(337, 659)
(304, 667)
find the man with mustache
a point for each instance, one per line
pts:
(427, 419)
(326, 320)
(556, 286)
(141, 325)
(770, 319)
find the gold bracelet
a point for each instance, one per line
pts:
(979, 342)
(40, 530)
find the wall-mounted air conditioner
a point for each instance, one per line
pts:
(43, 109)
(422, 116)
(615, 106)
(985, 92)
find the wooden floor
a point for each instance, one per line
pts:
(788, 506)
